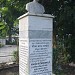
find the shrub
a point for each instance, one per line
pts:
(16, 56)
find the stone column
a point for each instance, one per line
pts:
(35, 44)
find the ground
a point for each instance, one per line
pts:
(6, 53)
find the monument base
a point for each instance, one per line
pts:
(35, 44)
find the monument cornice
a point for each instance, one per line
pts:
(38, 15)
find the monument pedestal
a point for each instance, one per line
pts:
(35, 44)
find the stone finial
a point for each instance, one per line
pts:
(34, 7)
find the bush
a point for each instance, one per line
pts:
(16, 56)
(60, 58)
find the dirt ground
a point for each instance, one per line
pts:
(68, 69)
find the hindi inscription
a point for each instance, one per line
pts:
(40, 57)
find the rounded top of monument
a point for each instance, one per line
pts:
(35, 7)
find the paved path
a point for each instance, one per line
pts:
(6, 53)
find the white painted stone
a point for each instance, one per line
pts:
(35, 7)
(35, 44)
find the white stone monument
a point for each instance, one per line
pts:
(35, 44)
(35, 7)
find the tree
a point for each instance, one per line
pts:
(2, 29)
(64, 25)
(64, 21)
(11, 10)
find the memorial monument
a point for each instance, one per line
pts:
(35, 41)
(35, 7)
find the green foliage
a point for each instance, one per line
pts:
(16, 56)
(2, 26)
(3, 29)
(64, 26)
(10, 10)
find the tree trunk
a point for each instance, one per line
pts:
(10, 35)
